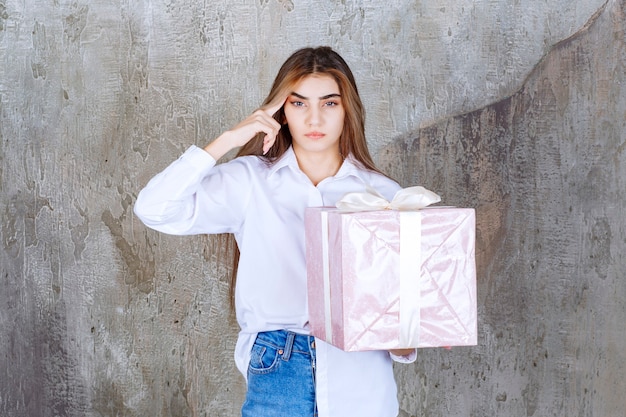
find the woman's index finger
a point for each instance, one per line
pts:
(275, 105)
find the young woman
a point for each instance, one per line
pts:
(304, 147)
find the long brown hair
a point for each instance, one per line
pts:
(301, 64)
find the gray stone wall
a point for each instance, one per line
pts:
(516, 109)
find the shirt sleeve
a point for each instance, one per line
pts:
(193, 196)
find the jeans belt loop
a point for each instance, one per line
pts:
(288, 345)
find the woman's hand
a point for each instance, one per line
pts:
(261, 121)
(401, 352)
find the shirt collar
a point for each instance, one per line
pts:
(350, 166)
(288, 159)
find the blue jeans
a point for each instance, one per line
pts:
(281, 376)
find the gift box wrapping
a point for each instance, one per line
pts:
(392, 279)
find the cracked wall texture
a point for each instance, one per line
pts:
(515, 108)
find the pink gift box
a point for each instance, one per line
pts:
(386, 279)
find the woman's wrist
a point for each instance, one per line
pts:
(219, 147)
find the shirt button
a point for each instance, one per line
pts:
(280, 351)
(313, 344)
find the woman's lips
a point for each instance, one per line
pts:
(315, 135)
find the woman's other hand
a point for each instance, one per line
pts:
(401, 352)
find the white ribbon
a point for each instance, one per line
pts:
(326, 277)
(410, 272)
(411, 198)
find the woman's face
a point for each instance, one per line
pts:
(315, 115)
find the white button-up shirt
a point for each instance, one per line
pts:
(263, 206)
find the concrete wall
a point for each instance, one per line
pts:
(516, 109)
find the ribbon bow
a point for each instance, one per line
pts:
(411, 198)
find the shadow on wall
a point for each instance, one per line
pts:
(545, 170)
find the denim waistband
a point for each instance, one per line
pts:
(287, 341)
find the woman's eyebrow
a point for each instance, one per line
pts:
(326, 97)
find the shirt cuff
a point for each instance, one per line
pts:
(199, 158)
(410, 358)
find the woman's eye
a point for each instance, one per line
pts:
(297, 103)
(331, 103)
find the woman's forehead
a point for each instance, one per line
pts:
(316, 86)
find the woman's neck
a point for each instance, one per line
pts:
(320, 166)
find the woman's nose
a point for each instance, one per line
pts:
(313, 117)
